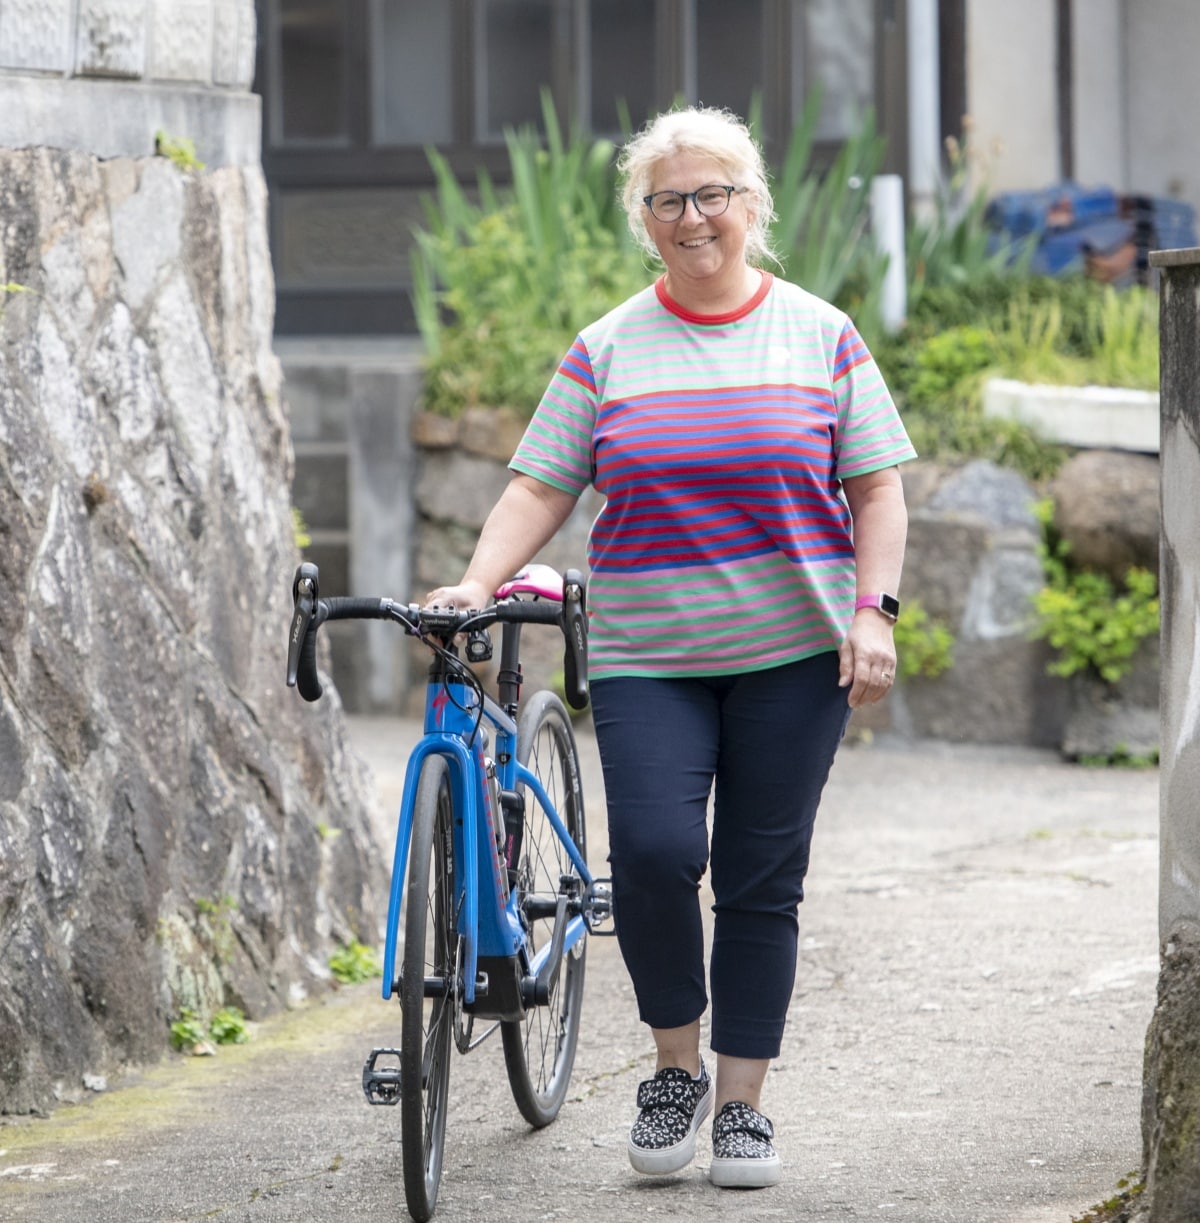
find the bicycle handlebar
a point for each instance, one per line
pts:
(311, 611)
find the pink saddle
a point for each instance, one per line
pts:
(540, 580)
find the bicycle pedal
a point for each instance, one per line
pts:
(381, 1084)
(598, 907)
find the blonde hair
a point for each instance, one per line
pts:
(702, 131)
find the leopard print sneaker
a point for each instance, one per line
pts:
(743, 1157)
(673, 1106)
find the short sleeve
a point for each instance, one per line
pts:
(557, 446)
(870, 434)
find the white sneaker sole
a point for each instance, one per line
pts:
(662, 1161)
(745, 1173)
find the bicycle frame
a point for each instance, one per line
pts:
(489, 924)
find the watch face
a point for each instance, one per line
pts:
(889, 605)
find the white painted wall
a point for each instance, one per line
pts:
(1098, 65)
(1164, 93)
(1011, 92)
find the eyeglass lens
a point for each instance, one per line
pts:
(710, 201)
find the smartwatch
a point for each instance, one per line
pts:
(888, 604)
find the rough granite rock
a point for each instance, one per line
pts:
(176, 828)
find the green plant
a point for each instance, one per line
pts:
(953, 248)
(355, 962)
(300, 531)
(187, 1031)
(1122, 330)
(12, 287)
(228, 1027)
(501, 287)
(937, 383)
(1113, 340)
(924, 645)
(180, 150)
(822, 218)
(1117, 1208)
(1120, 758)
(1093, 625)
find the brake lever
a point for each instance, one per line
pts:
(574, 615)
(304, 596)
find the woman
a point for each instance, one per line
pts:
(743, 573)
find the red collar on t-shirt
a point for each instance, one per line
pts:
(730, 316)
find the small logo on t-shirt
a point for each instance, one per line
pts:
(778, 356)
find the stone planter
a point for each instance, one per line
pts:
(1094, 417)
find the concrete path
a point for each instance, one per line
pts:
(977, 970)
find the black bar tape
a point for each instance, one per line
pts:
(308, 682)
(530, 612)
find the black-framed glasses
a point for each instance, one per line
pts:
(710, 201)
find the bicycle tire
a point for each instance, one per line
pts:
(539, 1050)
(427, 1023)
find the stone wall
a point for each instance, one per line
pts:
(176, 828)
(180, 66)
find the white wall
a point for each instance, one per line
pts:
(1164, 113)
(1011, 92)
(1098, 65)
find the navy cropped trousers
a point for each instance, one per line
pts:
(762, 744)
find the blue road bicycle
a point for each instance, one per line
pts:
(491, 897)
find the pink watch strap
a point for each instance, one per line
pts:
(884, 603)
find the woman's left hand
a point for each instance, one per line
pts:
(868, 658)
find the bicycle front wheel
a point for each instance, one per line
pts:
(428, 989)
(539, 1050)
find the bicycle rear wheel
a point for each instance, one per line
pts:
(430, 946)
(539, 1050)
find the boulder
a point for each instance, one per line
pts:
(1107, 509)
(973, 564)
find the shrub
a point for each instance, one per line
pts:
(501, 287)
(1094, 625)
(355, 962)
(924, 646)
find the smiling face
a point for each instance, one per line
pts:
(705, 256)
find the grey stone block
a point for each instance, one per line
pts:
(120, 119)
(35, 35)
(234, 38)
(181, 42)
(110, 38)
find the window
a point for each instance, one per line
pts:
(834, 47)
(620, 64)
(514, 63)
(313, 44)
(729, 53)
(412, 71)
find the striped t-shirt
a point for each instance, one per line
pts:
(719, 442)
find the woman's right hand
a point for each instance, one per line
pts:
(467, 596)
